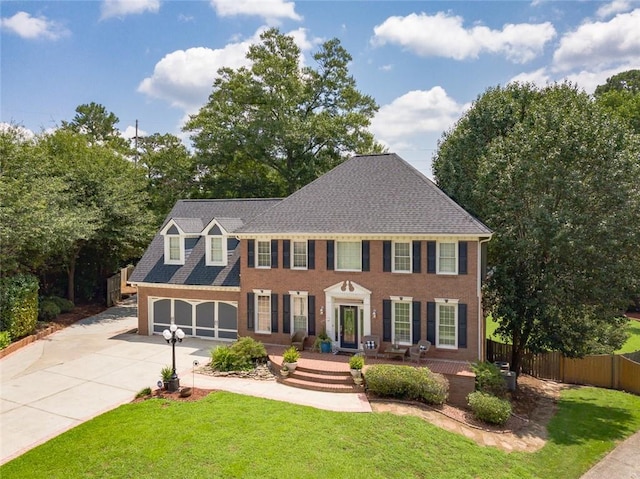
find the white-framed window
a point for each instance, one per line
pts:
(299, 311)
(263, 311)
(348, 255)
(174, 249)
(216, 251)
(401, 312)
(264, 254)
(299, 255)
(401, 257)
(447, 324)
(447, 257)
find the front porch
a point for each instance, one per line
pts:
(330, 372)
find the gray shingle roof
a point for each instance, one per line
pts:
(189, 215)
(368, 194)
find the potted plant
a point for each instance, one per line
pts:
(290, 358)
(166, 373)
(356, 363)
(325, 342)
(284, 371)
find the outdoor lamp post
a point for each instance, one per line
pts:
(173, 335)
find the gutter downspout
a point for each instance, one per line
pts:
(481, 326)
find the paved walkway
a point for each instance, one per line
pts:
(97, 364)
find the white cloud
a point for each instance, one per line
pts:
(26, 26)
(600, 45)
(271, 10)
(23, 133)
(444, 35)
(539, 77)
(184, 78)
(129, 133)
(122, 8)
(617, 6)
(415, 112)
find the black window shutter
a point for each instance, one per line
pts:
(431, 322)
(462, 257)
(416, 322)
(311, 254)
(274, 313)
(386, 320)
(311, 307)
(386, 256)
(431, 256)
(286, 313)
(417, 256)
(286, 252)
(365, 255)
(330, 249)
(274, 253)
(251, 253)
(250, 311)
(462, 325)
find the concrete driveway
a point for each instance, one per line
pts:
(77, 373)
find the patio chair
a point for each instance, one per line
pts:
(297, 340)
(419, 351)
(371, 345)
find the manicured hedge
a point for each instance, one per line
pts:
(489, 408)
(18, 305)
(407, 382)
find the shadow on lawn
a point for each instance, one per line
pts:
(581, 420)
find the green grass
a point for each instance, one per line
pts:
(632, 344)
(228, 435)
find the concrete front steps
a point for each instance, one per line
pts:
(306, 377)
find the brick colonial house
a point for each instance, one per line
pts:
(371, 247)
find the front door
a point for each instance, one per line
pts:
(349, 327)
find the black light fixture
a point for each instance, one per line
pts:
(173, 335)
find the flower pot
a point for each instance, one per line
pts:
(291, 366)
(358, 380)
(185, 392)
(325, 347)
(356, 373)
(284, 372)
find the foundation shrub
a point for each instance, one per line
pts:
(254, 351)
(489, 408)
(224, 358)
(407, 382)
(489, 379)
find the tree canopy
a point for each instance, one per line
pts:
(556, 179)
(273, 127)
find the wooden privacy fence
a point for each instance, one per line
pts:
(612, 371)
(117, 286)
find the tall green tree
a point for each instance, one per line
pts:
(620, 95)
(170, 171)
(275, 126)
(98, 125)
(559, 188)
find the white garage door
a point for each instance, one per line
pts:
(204, 319)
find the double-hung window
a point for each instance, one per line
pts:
(447, 324)
(263, 312)
(299, 255)
(173, 249)
(447, 258)
(216, 251)
(349, 255)
(401, 257)
(264, 254)
(299, 306)
(401, 320)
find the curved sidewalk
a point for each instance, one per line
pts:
(97, 364)
(621, 463)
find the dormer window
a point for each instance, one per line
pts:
(216, 246)
(173, 245)
(174, 248)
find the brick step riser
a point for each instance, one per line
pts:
(303, 376)
(319, 387)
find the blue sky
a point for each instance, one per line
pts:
(424, 62)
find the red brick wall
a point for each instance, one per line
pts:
(422, 287)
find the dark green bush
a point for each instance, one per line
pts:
(18, 305)
(223, 358)
(250, 349)
(489, 379)
(489, 408)
(407, 382)
(5, 339)
(64, 304)
(48, 310)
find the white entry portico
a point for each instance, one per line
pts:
(348, 314)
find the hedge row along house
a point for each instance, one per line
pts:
(371, 247)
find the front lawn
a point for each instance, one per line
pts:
(228, 435)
